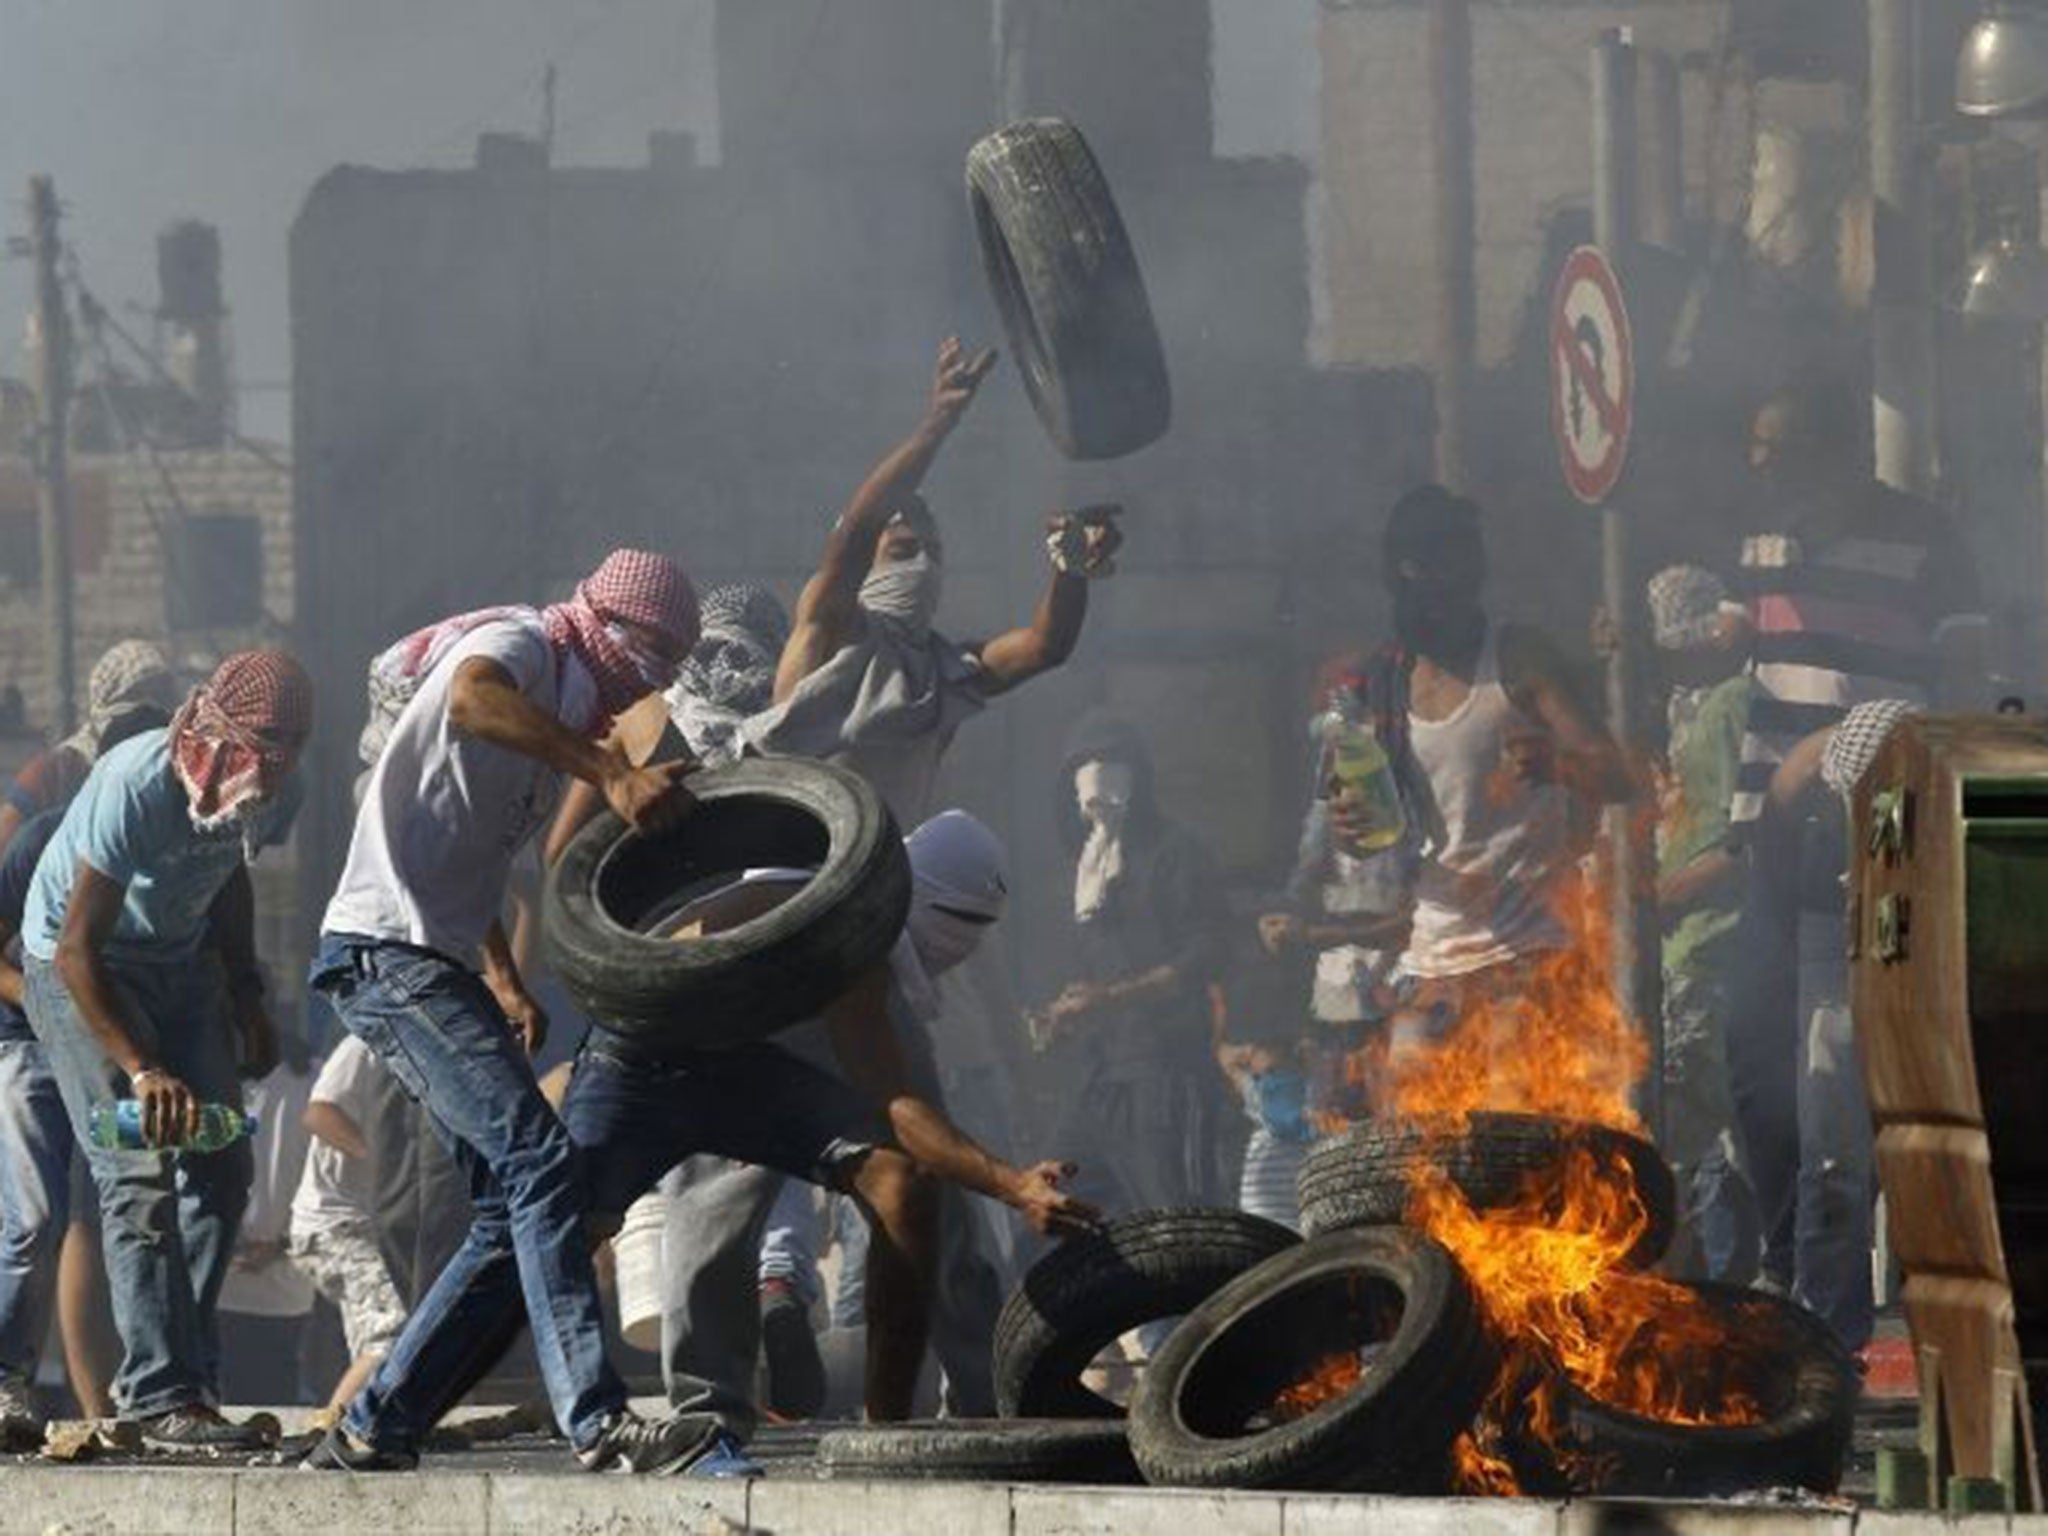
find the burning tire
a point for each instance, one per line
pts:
(1351, 1362)
(1364, 1177)
(613, 890)
(1066, 281)
(1138, 1269)
(1786, 1361)
(1005, 1450)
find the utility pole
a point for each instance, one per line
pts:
(1663, 157)
(1902, 315)
(53, 489)
(1456, 311)
(1638, 976)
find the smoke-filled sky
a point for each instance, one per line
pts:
(226, 110)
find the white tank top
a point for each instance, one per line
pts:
(1499, 847)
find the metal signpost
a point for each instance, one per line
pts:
(1592, 405)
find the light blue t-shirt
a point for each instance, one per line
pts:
(132, 822)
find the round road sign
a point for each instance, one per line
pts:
(1592, 375)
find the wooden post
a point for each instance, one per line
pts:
(53, 490)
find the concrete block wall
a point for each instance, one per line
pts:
(122, 593)
(221, 1502)
(1532, 156)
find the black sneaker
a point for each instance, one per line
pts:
(22, 1424)
(650, 1447)
(340, 1451)
(796, 1371)
(197, 1427)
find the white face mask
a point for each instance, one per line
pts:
(943, 939)
(958, 889)
(657, 672)
(1103, 792)
(906, 591)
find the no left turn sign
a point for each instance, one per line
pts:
(1592, 375)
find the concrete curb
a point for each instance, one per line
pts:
(125, 1501)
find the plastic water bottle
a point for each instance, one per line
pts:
(1357, 770)
(118, 1126)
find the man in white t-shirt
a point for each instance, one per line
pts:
(498, 707)
(849, 1101)
(333, 1237)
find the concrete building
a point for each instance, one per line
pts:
(503, 371)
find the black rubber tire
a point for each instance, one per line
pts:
(991, 1450)
(1137, 1269)
(1363, 1177)
(1192, 1422)
(1803, 1442)
(1066, 283)
(735, 987)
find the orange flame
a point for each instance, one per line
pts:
(1548, 1268)
(1333, 1376)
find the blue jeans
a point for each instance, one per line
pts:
(436, 1026)
(1834, 1220)
(632, 1122)
(168, 1219)
(789, 1249)
(35, 1198)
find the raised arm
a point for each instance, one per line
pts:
(1588, 762)
(865, 1045)
(827, 615)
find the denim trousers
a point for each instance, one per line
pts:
(35, 1199)
(168, 1219)
(436, 1026)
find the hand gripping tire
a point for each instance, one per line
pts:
(1783, 1356)
(1137, 1269)
(1203, 1412)
(735, 987)
(1066, 282)
(1363, 1178)
(992, 1450)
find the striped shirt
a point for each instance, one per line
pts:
(1847, 610)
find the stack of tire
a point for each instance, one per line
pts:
(1255, 1309)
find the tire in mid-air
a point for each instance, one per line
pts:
(1066, 282)
(614, 894)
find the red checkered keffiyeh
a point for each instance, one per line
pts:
(640, 588)
(240, 731)
(633, 585)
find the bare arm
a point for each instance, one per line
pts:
(10, 823)
(1707, 878)
(1588, 761)
(828, 616)
(1018, 655)
(231, 929)
(170, 1111)
(636, 733)
(330, 1122)
(485, 702)
(866, 1047)
(10, 973)
(501, 975)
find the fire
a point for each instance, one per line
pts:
(1333, 1376)
(1549, 1268)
